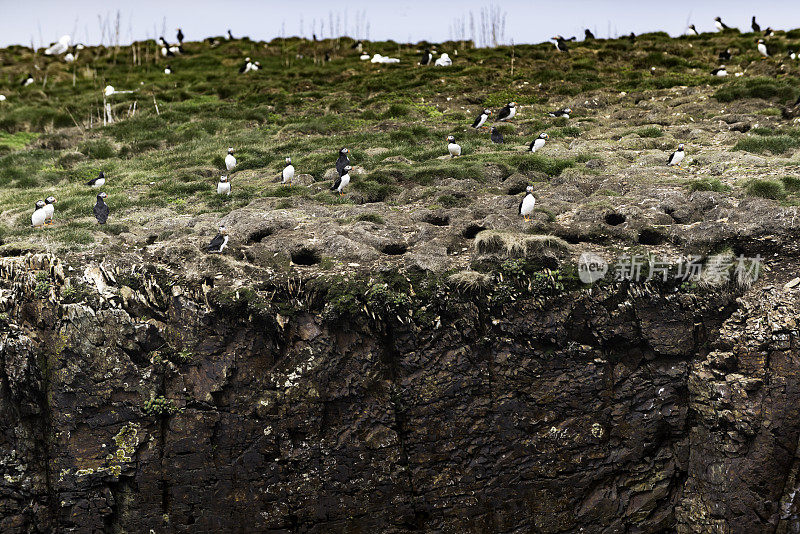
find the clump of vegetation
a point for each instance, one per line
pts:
(791, 183)
(649, 132)
(766, 189)
(370, 217)
(515, 245)
(42, 289)
(160, 406)
(758, 87)
(776, 144)
(709, 184)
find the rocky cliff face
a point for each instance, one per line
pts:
(134, 404)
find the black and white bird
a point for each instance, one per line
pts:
(754, 25)
(676, 157)
(762, 49)
(632, 37)
(481, 119)
(288, 172)
(100, 181)
(508, 112)
(168, 70)
(27, 81)
(343, 161)
(230, 161)
(527, 203)
(230, 36)
(342, 181)
(769, 32)
(693, 30)
(587, 35)
(220, 240)
(358, 46)
(792, 55)
(721, 26)
(224, 186)
(180, 36)
(168, 50)
(101, 210)
(496, 136)
(719, 71)
(427, 57)
(725, 55)
(561, 43)
(539, 142)
(257, 65)
(247, 67)
(39, 214)
(212, 41)
(49, 209)
(564, 112)
(452, 147)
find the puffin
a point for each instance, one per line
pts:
(632, 37)
(220, 240)
(725, 55)
(212, 42)
(676, 157)
(453, 147)
(168, 70)
(230, 36)
(496, 136)
(255, 66)
(27, 81)
(180, 36)
(101, 208)
(443, 61)
(358, 46)
(364, 56)
(100, 181)
(762, 49)
(508, 112)
(224, 186)
(564, 112)
(721, 26)
(693, 30)
(719, 71)
(561, 43)
(39, 214)
(49, 209)
(343, 161)
(754, 25)
(538, 143)
(247, 67)
(769, 32)
(427, 57)
(587, 35)
(792, 55)
(527, 203)
(342, 181)
(288, 172)
(480, 119)
(230, 161)
(327, 57)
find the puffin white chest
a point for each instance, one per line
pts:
(230, 162)
(38, 217)
(288, 173)
(537, 144)
(224, 188)
(454, 149)
(49, 210)
(528, 203)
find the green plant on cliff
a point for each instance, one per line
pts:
(160, 405)
(42, 288)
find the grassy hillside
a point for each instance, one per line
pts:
(164, 158)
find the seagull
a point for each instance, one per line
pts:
(762, 49)
(561, 113)
(100, 181)
(443, 61)
(720, 71)
(230, 161)
(453, 147)
(101, 208)
(377, 58)
(49, 209)
(693, 30)
(721, 26)
(496, 136)
(56, 49)
(342, 181)
(676, 157)
(527, 203)
(224, 186)
(754, 25)
(561, 44)
(39, 214)
(220, 240)
(508, 112)
(588, 36)
(288, 172)
(480, 119)
(538, 143)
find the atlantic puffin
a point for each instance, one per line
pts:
(168, 70)
(587, 35)
(247, 67)
(480, 119)
(527, 203)
(452, 147)
(27, 81)
(508, 112)
(101, 208)
(288, 172)
(39, 214)
(676, 157)
(564, 112)
(762, 49)
(538, 143)
(427, 57)
(342, 181)
(224, 186)
(230, 161)
(719, 71)
(219, 242)
(754, 25)
(561, 43)
(725, 55)
(180, 36)
(693, 30)
(100, 181)
(721, 26)
(496, 136)
(343, 160)
(49, 209)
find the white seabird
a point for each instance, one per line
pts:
(230, 161)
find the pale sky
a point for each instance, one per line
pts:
(527, 21)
